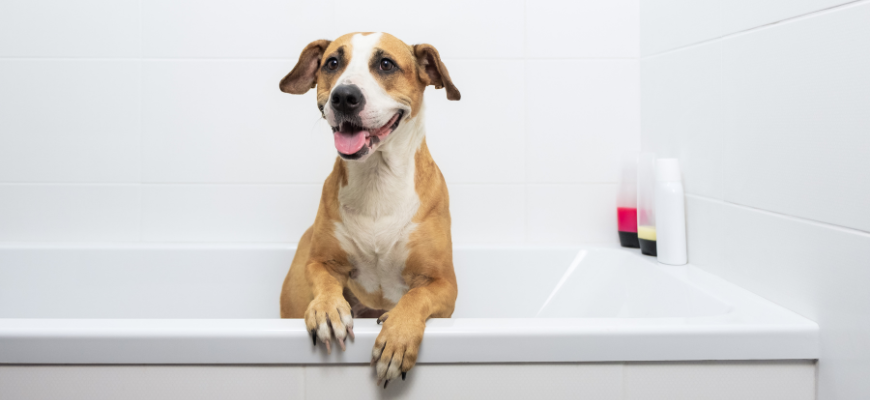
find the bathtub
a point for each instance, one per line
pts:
(518, 307)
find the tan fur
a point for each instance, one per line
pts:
(320, 271)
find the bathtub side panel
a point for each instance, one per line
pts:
(96, 382)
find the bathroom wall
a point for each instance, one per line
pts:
(766, 104)
(161, 121)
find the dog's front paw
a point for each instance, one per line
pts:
(329, 316)
(397, 345)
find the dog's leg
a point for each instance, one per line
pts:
(329, 314)
(396, 347)
(296, 292)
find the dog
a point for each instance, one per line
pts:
(380, 245)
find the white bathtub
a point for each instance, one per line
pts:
(218, 304)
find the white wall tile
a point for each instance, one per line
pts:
(796, 101)
(203, 107)
(482, 381)
(582, 29)
(487, 213)
(740, 15)
(228, 213)
(95, 382)
(226, 121)
(816, 270)
(457, 28)
(705, 231)
(69, 121)
(579, 125)
(230, 28)
(480, 137)
(574, 213)
(682, 114)
(75, 213)
(669, 24)
(786, 380)
(63, 28)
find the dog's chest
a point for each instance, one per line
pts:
(377, 220)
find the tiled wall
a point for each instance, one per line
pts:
(767, 104)
(157, 120)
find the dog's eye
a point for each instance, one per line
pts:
(386, 65)
(332, 63)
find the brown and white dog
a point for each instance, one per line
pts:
(380, 244)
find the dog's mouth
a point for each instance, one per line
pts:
(353, 141)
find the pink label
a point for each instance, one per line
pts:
(627, 219)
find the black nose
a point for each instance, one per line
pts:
(347, 99)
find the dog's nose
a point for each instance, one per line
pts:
(347, 99)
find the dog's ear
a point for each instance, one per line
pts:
(432, 71)
(304, 74)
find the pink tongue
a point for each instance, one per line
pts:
(349, 143)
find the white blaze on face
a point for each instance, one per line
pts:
(379, 107)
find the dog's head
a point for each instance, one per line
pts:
(367, 85)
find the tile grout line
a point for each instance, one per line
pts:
(757, 28)
(784, 216)
(525, 127)
(141, 126)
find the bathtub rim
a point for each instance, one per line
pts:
(755, 329)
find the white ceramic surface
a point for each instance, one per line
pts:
(173, 304)
(578, 129)
(184, 92)
(771, 121)
(681, 93)
(796, 100)
(250, 213)
(607, 29)
(67, 120)
(32, 212)
(571, 213)
(670, 24)
(85, 28)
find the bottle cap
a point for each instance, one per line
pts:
(668, 170)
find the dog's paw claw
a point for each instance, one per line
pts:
(396, 348)
(329, 317)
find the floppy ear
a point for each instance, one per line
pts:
(433, 71)
(304, 74)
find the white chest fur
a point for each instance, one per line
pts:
(377, 209)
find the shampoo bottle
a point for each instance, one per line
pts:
(670, 213)
(646, 217)
(626, 203)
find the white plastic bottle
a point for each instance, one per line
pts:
(646, 206)
(670, 213)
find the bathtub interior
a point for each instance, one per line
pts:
(244, 282)
(575, 283)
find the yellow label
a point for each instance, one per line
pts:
(646, 232)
